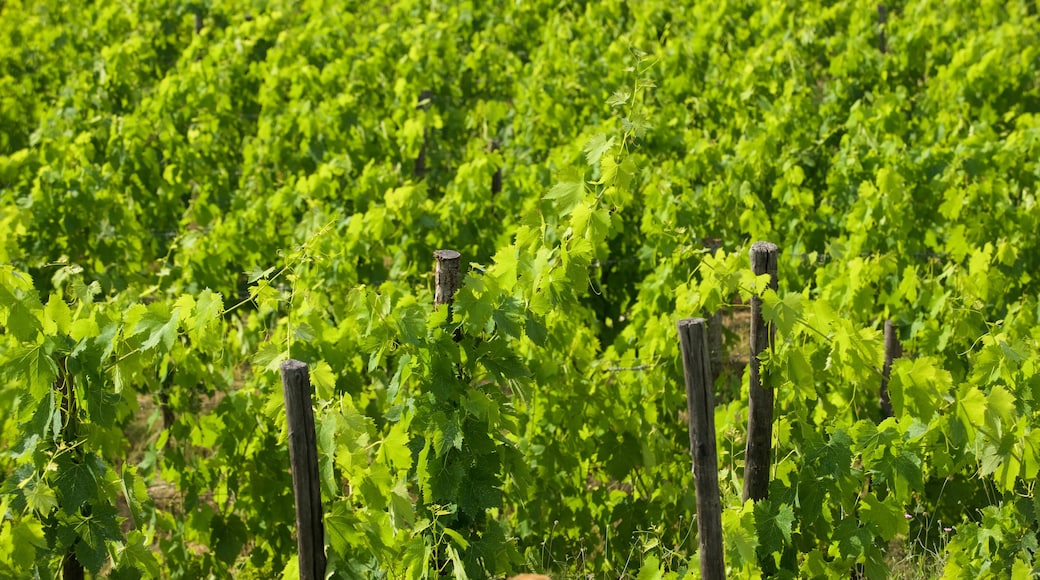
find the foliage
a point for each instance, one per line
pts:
(194, 192)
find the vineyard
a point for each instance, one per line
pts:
(194, 193)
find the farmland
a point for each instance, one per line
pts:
(192, 193)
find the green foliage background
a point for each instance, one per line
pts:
(184, 207)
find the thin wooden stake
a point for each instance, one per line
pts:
(758, 454)
(893, 350)
(496, 179)
(700, 406)
(303, 456)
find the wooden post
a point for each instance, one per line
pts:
(700, 407)
(893, 350)
(758, 455)
(71, 569)
(496, 179)
(303, 456)
(448, 281)
(447, 276)
(425, 98)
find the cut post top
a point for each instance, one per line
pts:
(293, 365)
(688, 322)
(764, 247)
(764, 260)
(446, 255)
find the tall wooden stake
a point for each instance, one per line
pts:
(496, 179)
(700, 406)
(758, 455)
(303, 456)
(893, 350)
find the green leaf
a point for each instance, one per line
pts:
(449, 435)
(78, 480)
(739, 534)
(972, 405)
(292, 568)
(161, 326)
(341, 528)
(458, 569)
(800, 371)
(1000, 407)
(597, 147)
(93, 532)
(535, 329)
(39, 497)
(137, 554)
(83, 328)
(457, 538)
(619, 98)
(783, 312)
(90, 550)
(209, 306)
(396, 448)
(651, 569)
(253, 275)
(133, 490)
(323, 379)
(28, 540)
(835, 457)
(57, 317)
(227, 536)
(566, 195)
(503, 273)
(473, 310)
(917, 386)
(37, 367)
(889, 182)
(20, 320)
(1021, 570)
(888, 516)
(402, 511)
(270, 356)
(773, 524)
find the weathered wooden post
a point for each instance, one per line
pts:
(893, 350)
(496, 179)
(758, 454)
(303, 456)
(700, 406)
(448, 280)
